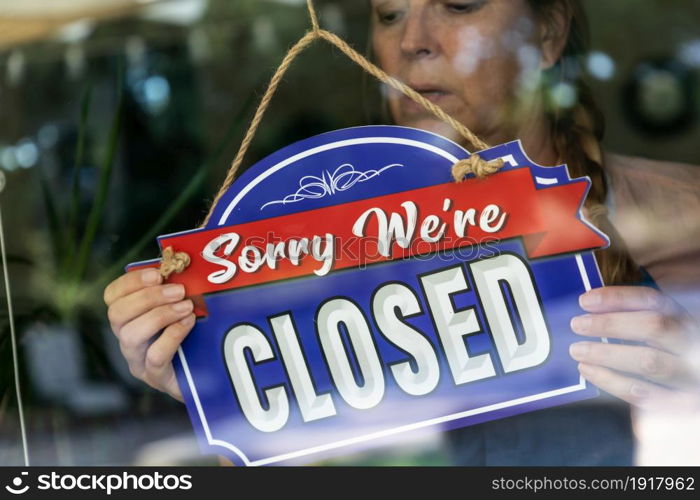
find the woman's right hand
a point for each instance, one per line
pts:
(139, 308)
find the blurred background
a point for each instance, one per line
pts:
(118, 119)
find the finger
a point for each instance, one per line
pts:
(626, 298)
(129, 283)
(135, 336)
(140, 302)
(653, 327)
(160, 354)
(636, 392)
(653, 364)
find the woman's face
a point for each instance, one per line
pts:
(477, 59)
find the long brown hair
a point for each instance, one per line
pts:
(577, 132)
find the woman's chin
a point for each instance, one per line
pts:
(435, 126)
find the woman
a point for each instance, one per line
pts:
(490, 64)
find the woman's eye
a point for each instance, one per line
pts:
(464, 8)
(388, 17)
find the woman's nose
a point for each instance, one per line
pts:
(417, 40)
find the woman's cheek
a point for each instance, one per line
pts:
(470, 50)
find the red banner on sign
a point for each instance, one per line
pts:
(443, 217)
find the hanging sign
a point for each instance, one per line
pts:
(349, 293)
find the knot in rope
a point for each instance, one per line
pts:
(475, 165)
(173, 262)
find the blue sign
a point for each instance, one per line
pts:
(351, 294)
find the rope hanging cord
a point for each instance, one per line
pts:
(474, 164)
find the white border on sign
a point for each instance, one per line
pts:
(389, 432)
(328, 147)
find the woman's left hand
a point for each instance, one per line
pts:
(663, 371)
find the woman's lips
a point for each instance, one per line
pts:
(434, 95)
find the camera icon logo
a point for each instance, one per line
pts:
(16, 488)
